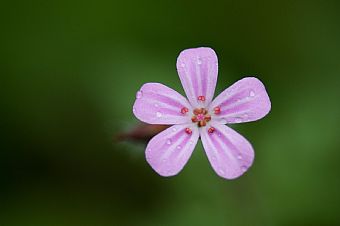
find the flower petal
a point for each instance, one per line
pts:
(158, 104)
(246, 100)
(169, 151)
(197, 69)
(229, 153)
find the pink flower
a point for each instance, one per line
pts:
(229, 153)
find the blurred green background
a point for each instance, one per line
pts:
(69, 74)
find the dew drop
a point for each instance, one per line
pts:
(156, 105)
(158, 114)
(251, 93)
(148, 158)
(213, 158)
(183, 65)
(182, 162)
(221, 171)
(199, 61)
(238, 120)
(179, 147)
(239, 157)
(164, 160)
(244, 168)
(191, 142)
(169, 141)
(139, 94)
(134, 110)
(223, 121)
(174, 129)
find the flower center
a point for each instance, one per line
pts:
(201, 117)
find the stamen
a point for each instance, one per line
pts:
(194, 119)
(198, 111)
(201, 117)
(184, 110)
(188, 130)
(211, 130)
(201, 98)
(202, 123)
(217, 110)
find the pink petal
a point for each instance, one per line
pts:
(158, 104)
(229, 153)
(169, 151)
(246, 100)
(197, 69)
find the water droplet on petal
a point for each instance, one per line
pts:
(134, 110)
(169, 141)
(239, 157)
(164, 160)
(156, 105)
(238, 120)
(182, 162)
(244, 168)
(179, 147)
(223, 121)
(213, 158)
(158, 114)
(139, 94)
(148, 158)
(183, 65)
(221, 171)
(191, 142)
(174, 129)
(251, 93)
(199, 61)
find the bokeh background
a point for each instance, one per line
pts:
(69, 74)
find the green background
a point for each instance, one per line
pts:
(69, 73)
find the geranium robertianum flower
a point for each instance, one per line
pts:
(229, 153)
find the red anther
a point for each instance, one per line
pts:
(198, 111)
(217, 110)
(184, 110)
(211, 130)
(194, 119)
(201, 98)
(207, 118)
(202, 123)
(188, 130)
